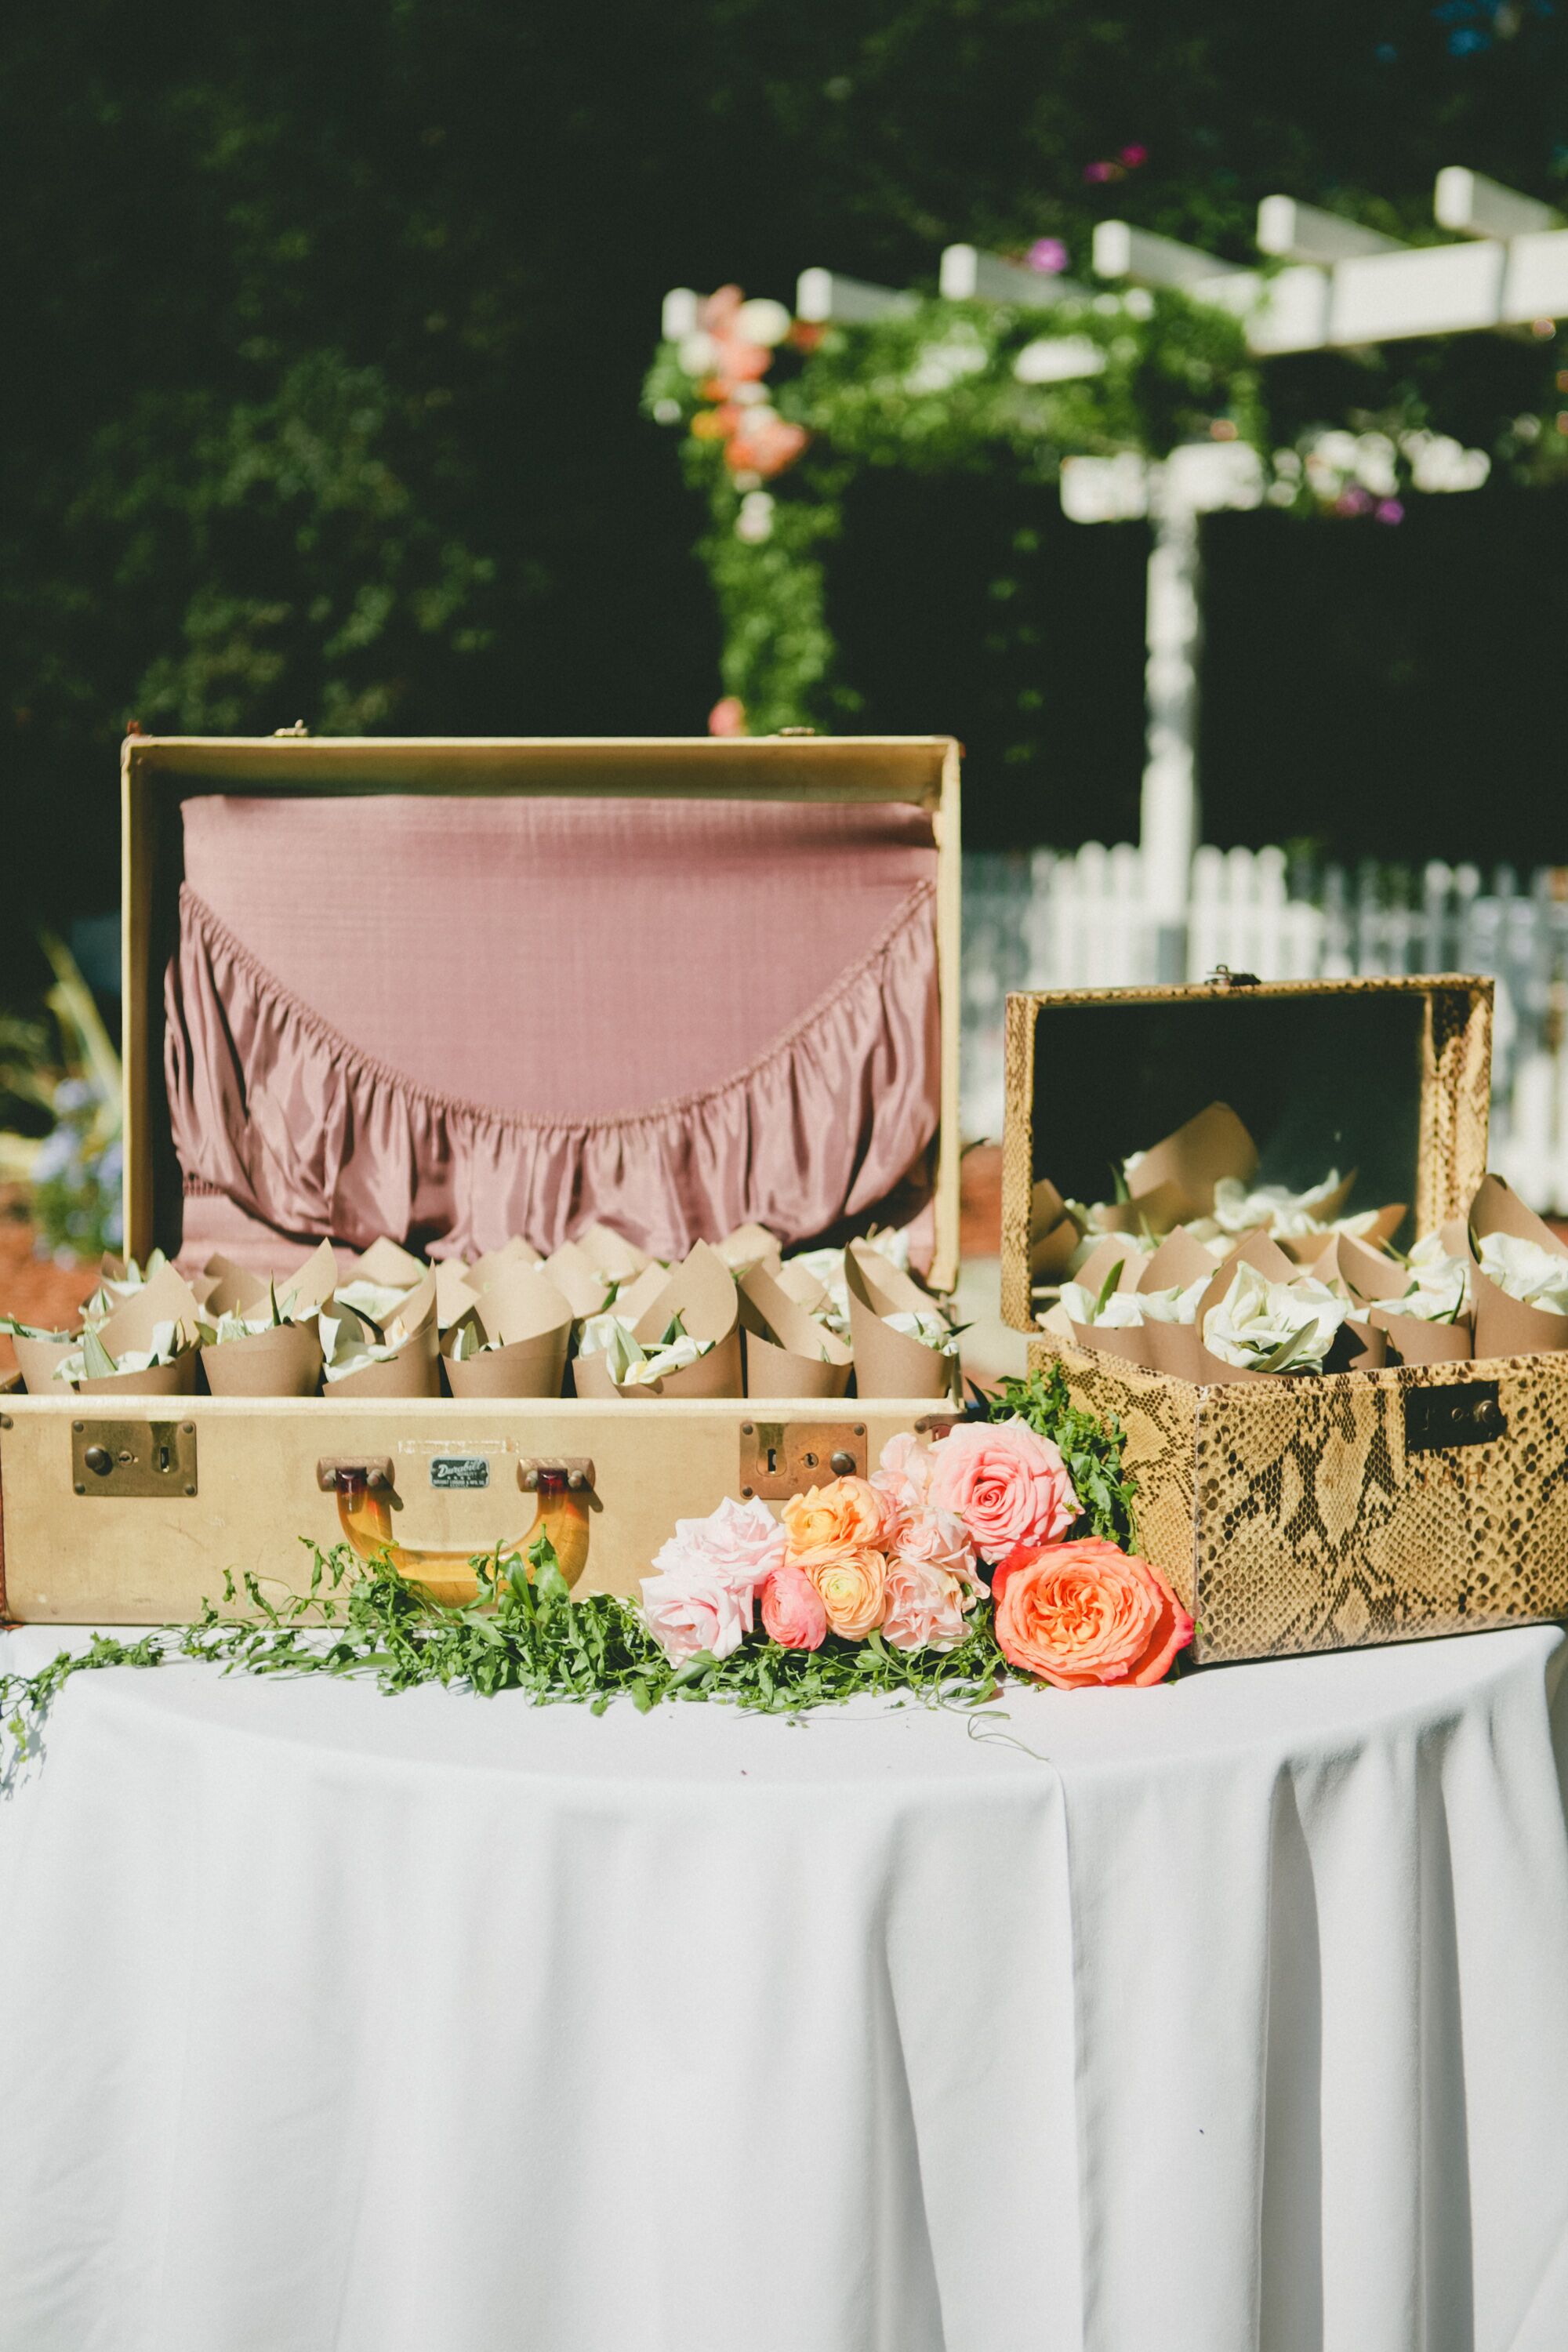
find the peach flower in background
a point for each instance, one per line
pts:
(728, 716)
(853, 1583)
(1010, 1487)
(847, 1511)
(793, 1612)
(1078, 1613)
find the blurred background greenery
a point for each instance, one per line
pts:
(329, 325)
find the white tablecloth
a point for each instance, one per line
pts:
(1230, 2015)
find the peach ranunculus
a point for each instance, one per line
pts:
(853, 1582)
(847, 1511)
(1078, 1613)
(793, 1613)
(1008, 1485)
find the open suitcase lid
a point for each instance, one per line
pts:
(456, 990)
(1389, 1078)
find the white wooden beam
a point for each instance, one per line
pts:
(1434, 290)
(1473, 205)
(1536, 283)
(1122, 251)
(680, 314)
(1057, 359)
(1293, 232)
(967, 275)
(821, 295)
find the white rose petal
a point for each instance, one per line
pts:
(1527, 1272)
(1277, 1327)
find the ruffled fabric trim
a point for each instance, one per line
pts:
(276, 1109)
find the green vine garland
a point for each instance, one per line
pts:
(527, 1633)
(935, 390)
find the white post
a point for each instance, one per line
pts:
(1169, 828)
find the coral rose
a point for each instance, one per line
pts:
(850, 1511)
(793, 1612)
(1077, 1613)
(1010, 1487)
(853, 1585)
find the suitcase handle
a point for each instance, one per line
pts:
(367, 1494)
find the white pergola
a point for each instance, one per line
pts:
(1335, 286)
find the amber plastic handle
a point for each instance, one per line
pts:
(365, 1497)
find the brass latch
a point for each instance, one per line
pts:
(132, 1458)
(779, 1459)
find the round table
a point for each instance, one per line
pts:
(1231, 2014)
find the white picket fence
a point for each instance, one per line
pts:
(1043, 919)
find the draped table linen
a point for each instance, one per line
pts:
(1230, 2014)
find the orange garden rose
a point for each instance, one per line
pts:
(1078, 1613)
(849, 1511)
(853, 1582)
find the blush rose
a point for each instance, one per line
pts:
(1079, 1613)
(1010, 1487)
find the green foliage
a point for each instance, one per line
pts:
(65, 1075)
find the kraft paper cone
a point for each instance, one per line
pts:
(456, 1295)
(1132, 1346)
(1505, 1326)
(1175, 1350)
(532, 1322)
(1498, 1209)
(488, 1269)
(802, 1285)
(578, 1279)
(1306, 1248)
(38, 1361)
(611, 1251)
(178, 1379)
(1359, 1346)
(716, 1374)
(1176, 1264)
(386, 1262)
(1183, 1171)
(1366, 1273)
(1096, 1269)
(1054, 1234)
(750, 1246)
(414, 1371)
(305, 1289)
(1058, 1323)
(1413, 1340)
(226, 1288)
(787, 1353)
(414, 1311)
(886, 1287)
(889, 1364)
(285, 1362)
(701, 1290)
(634, 1296)
(1271, 1262)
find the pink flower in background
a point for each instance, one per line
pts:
(1389, 510)
(1048, 254)
(793, 1612)
(1134, 156)
(1010, 1487)
(728, 716)
(685, 1613)
(939, 1539)
(925, 1607)
(763, 444)
(1095, 172)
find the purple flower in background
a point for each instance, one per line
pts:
(1094, 173)
(1389, 510)
(1134, 156)
(1355, 501)
(1048, 254)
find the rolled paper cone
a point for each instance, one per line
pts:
(1507, 1326)
(386, 1262)
(612, 1253)
(701, 1290)
(1215, 1372)
(802, 1285)
(1096, 1269)
(1053, 1234)
(456, 1295)
(750, 1246)
(38, 1361)
(229, 1289)
(775, 1372)
(1057, 1322)
(1132, 1346)
(578, 1279)
(1498, 1209)
(1334, 1204)
(1366, 1273)
(1151, 1213)
(1413, 1340)
(166, 1299)
(528, 1368)
(787, 1353)
(716, 1374)
(1175, 1350)
(634, 1296)
(883, 1285)
(414, 1311)
(488, 1269)
(307, 1286)
(889, 1364)
(1384, 1225)
(1176, 1264)
(285, 1362)
(1455, 1235)
(414, 1371)
(1181, 1172)
(1358, 1347)
(178, 1379)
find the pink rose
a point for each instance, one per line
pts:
(685, 1614)
(743, 1542)
(1010, 1487)
(925, 1606)
(793, 1612)
(904, 1476)
(941, 1540)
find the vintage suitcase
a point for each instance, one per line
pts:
(1317, 1513)
(452, 991)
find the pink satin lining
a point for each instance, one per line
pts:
(295, 1126)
